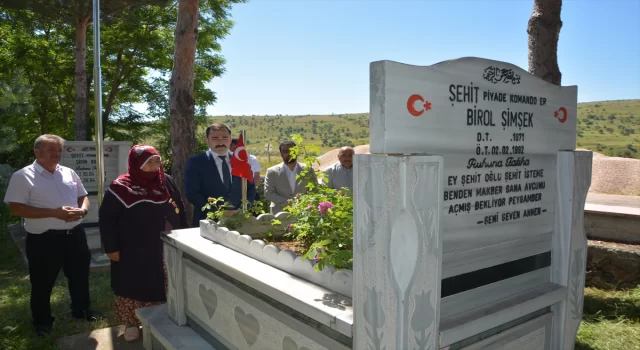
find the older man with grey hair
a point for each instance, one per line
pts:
(53, 201)
(340, 174)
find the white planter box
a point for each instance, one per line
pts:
(340, 281)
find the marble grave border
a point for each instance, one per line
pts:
(339, 281)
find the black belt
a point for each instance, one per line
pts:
(62, 232)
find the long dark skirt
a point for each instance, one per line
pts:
(125, 308)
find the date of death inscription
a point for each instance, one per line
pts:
(500, 182)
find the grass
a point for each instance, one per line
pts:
(610, 127)
(611, 320)
(15, 324)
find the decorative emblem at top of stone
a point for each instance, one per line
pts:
(496, 75)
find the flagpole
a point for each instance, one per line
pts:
(97, 88)
(244, 180)
(98, 100)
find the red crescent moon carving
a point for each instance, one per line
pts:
(410, 105)
(108, 149)
(69, 149)
(564, 115)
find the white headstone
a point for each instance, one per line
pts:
(81, 157)
(498, 128)
(496, 135)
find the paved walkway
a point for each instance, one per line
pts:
(613, 204)
(100, 339)
(613, 200)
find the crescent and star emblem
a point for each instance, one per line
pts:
(564, 114)
(411, 105)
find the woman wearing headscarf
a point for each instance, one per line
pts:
(136, 208)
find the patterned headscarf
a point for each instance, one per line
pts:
(140, 186)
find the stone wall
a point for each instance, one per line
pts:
(611, 227)
(611, 265)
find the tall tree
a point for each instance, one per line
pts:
(181, 99)
(43, 51)
(544, 31)
(77, 13)
(214, 16)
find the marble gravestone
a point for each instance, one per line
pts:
(471, 172)
(81, 157)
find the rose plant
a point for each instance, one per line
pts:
(224, 213)
(323, 217)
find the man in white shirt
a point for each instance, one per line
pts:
(341, 174)
(53, 201)
(280, 183)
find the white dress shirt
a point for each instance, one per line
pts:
(255, 165)
(216, 158)
(291, 176)
(36, 187)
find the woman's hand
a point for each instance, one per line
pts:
(115, 256)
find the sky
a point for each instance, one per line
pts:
(295, 57)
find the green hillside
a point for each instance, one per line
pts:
(325, 131)
(608, 127)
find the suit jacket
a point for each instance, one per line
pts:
(202, 180)
(277, 189)
(339, 177)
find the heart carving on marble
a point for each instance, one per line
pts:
(209, 299)
(172, 308)
(170, 273)
(289, 344)
(248, 325)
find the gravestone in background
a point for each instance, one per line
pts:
(81, 157)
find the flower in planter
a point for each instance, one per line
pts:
(323, 207)
(326, 234)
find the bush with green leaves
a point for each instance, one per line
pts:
(323, 217)
(225, 214)
(5, 176)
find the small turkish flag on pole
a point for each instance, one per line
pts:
(240, 162)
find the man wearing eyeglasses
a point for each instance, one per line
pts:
(209, 174)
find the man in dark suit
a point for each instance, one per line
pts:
(209, 174)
